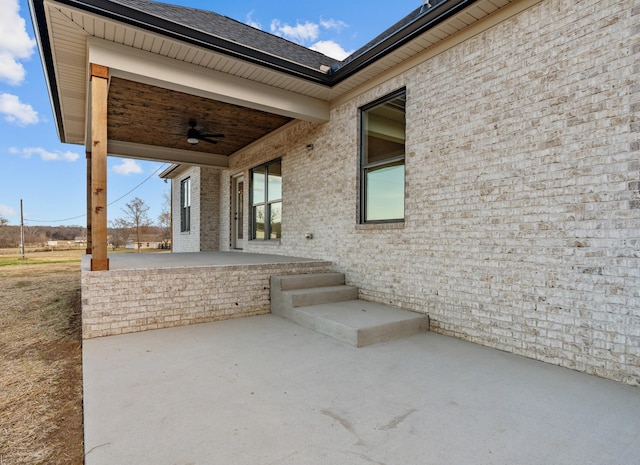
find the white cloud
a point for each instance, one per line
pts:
(15, 111)
(15, 43)
(5, 210)
(306, 32)
(45, 155)
(331, 49)
(127, 167)
(251, 22)
(333, 24)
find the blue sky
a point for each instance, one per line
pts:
(50, 176)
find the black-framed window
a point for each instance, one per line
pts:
(185, 205)
(382, 151)
(266, 201)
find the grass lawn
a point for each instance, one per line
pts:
(41, 361)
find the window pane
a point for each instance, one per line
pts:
(276, 220)
(384, 130)
(240, 210)
(383, 152)
(266, 201)
(258, 185)
(258, 223)
(384, 187)
(185, 192)
(185, 202)
(274, 188)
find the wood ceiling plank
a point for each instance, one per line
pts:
(149, 115)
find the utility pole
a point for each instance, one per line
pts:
(21, 230)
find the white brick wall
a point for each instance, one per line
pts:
(204, 234)
(124, 301)
(522, 223)
(188, 241)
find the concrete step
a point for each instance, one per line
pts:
(323, 303)
(307, 281)
(320, 295)
(359, 322)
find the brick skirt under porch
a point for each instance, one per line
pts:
(170, 291)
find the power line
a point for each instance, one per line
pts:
(55, 221)
(110, 204)
(150, 176)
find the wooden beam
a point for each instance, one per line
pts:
(99, 93)
(88, 203)
(99, 71)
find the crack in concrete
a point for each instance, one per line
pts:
(397, 420)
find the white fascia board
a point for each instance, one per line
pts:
(148, 68)
(154, 153)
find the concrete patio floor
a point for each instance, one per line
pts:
(130, 261)
(262, 390)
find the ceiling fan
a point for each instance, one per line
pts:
(195, 135)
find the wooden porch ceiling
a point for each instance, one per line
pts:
(152, 116)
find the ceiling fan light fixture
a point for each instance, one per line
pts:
(193, 134)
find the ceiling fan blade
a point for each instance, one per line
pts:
(208, 140)
(211, 135)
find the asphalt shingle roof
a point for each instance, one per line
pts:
(228, 29)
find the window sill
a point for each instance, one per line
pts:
(271, 242)
(379, 226)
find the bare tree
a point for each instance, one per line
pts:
(136, 216)
(34, 236)
(9, 235)
(164, 219)
(120, 230)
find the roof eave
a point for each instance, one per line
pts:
(151, 23)
(38, 17)
(389, 44)
(114, 11)
(168, 172)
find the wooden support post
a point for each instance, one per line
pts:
(99, 92)
(88, 251)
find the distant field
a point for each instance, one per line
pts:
(13, 257)
(56, 255)
(41, 251)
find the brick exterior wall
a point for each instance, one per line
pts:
(124, 301)
(188, 241)
(209, 216)
(225, 211)
(204, 234)
(522, 227)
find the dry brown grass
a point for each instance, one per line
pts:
(41, 363)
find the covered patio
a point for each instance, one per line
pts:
(119, 89)
(262, 390)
